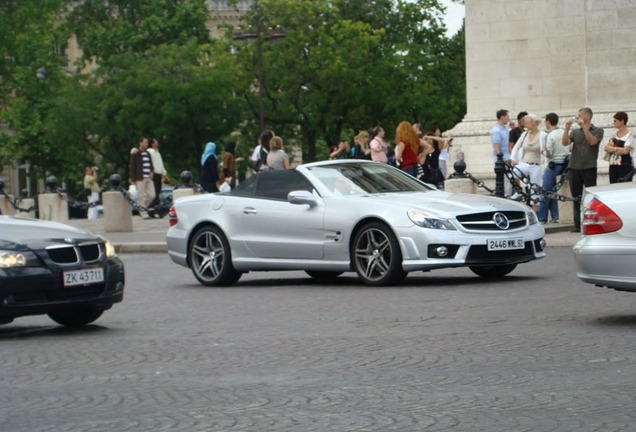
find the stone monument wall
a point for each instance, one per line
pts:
(541, 56)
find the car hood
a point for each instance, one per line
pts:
(445, 204)
(35, 233)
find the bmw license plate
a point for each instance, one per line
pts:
(83, 277)
(505, 244)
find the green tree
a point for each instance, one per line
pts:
(349, 65)
(181, 94)
(28, 42)
(317, 77)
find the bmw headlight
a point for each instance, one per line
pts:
(109, 248)
(420, 218)
(532, 218)
(11, 259)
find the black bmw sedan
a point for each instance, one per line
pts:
(69, 274)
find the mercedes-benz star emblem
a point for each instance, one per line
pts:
(501, 221)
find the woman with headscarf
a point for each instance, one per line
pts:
(209, 168)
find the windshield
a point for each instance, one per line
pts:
(366, 178)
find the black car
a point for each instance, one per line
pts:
(69, 274)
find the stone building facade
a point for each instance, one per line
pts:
(541, 56)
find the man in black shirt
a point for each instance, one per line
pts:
(515, 133)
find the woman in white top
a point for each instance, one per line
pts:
(620, 149)
(378, 146)
(526, 154)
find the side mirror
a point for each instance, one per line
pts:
(302, 197)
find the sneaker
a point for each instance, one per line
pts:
(555, 220)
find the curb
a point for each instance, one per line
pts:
(147, 247)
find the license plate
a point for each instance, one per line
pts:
(83, 277)
(505, 244)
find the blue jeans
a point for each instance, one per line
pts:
(550, 204)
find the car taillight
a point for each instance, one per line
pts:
(172, 216)
(600, 219)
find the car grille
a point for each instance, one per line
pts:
(86, 252)
(485, 221)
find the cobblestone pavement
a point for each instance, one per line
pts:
(447, 351)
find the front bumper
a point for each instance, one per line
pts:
(40, 290)
(466, 249)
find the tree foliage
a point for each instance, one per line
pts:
(349, 65)
(149, 67)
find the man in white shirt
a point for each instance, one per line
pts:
(555, 154)
(159, 175)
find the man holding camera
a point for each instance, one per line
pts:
(583, 161)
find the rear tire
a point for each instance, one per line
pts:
(376, 255)
(76, 316)
(211, 259)
(493, 272)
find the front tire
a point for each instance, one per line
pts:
(211, 259)
(76, 316)
(493, 272)
(376, 255)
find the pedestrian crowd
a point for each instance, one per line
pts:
(538, 149)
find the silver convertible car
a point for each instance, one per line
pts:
(606, 254)
(327, 218)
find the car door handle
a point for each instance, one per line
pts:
(249, 210)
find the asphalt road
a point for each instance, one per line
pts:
(447, 351)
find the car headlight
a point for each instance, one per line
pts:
(420, 218)
(110, 249)
(532, 218)
(11, 259)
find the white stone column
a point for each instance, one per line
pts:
(26, 204)
(117, 212)
(178, 193)
(53, 207)
(6, 208)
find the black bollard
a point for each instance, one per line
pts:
(500, 167)
(115, 181)
(186, 178)
(51, 184)
(460, 167)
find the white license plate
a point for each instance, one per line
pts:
(83, 277)
(505, 244)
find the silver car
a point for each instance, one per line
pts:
(606, 254)
(327, 218)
